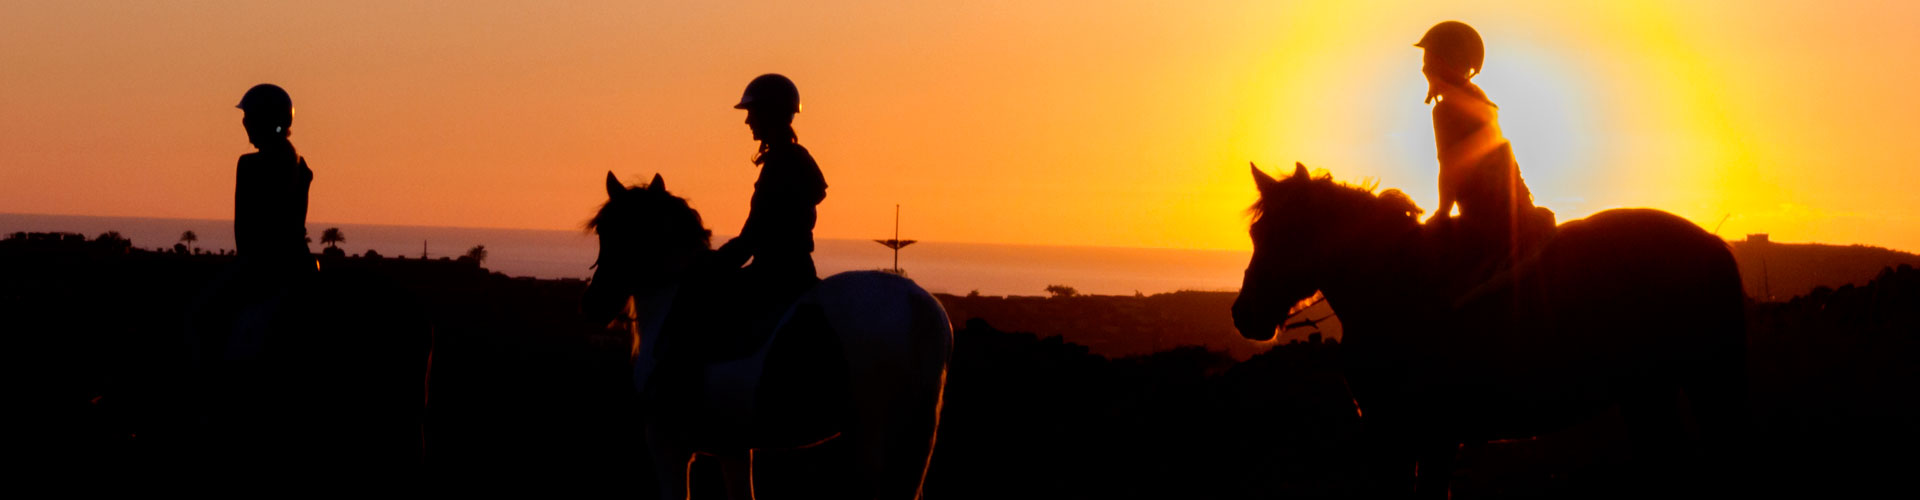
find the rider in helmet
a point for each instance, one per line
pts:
(778, 234)
(1477, 166)
(269, 229)
(270, 193)
(778, 237)
(239, 327)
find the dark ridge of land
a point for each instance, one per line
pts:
(521, 390)
(1774, 272)
(525, 398)
(1830, 375)
(1118, 326)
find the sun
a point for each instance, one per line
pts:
(1545, 111)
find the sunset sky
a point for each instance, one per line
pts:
(1111, 123)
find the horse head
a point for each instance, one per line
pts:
(648, 237)
(1308, 232)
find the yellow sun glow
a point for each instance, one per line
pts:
(1616, 112)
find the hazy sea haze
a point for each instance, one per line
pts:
(957, 268)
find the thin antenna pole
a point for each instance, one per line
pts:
(896, 242)
(1766, 276)
(896, 235)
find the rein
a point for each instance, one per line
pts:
(628, 320)
(1300, 310)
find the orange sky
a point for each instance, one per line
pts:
(1073, 123)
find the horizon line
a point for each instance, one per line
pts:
(583, 231)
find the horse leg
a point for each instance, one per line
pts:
(671, 462)
(914, 429)
(1387, 462)
(1654, 432)
(738, 471)
(897, 374)
(895, 420)
(1716, 392)
(892, 440)
(1434, 468)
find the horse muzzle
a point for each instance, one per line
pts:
(600, 307)
(1252, 322)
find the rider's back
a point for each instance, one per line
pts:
(779, 228)
(1477, 166)
(270, 208)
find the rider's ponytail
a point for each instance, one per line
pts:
(759, 158)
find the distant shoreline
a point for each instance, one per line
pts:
(1771, 270)
(946, 267)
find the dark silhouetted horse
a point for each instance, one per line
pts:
(887, 340)
(1629, 307)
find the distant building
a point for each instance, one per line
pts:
(1757, 238)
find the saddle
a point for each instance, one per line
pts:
(1482, 256)
(804, 371)
(728, 316)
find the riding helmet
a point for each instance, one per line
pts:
(1457, 44)
(771, 92)
(267, 100)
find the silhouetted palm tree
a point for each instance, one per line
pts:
(478, 254)
(188, 237)
(332, 237)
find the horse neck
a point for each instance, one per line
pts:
(651, 304)
(1383, 285)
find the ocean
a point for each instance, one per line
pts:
(940, 267)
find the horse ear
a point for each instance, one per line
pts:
(1299, 170)
(1261, 179)
(658, 185)
(613, 185)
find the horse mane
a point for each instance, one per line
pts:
(680, 220)
(1333, 197)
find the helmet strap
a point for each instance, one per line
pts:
(767, 143)
(1441, 77)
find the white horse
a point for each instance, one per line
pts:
(892, 336)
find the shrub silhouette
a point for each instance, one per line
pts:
(477, 254)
